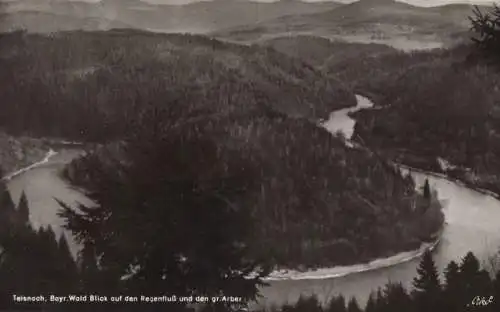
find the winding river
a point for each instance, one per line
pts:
(473, 224)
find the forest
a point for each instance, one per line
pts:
(211, 170)
(91, 86)
(319, 206)
(254, 102)
(463, 286)
(436, 103)
(34, 262)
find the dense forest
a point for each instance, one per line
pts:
(17, 152)
(254, 102)
(438, 103)
(92, 86)
(323, 205)
(212, 168)
(34, 262)
(445, 105)
(463, 286)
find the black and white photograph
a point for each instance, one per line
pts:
(250, 155)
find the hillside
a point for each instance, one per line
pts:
(18, 152)
(196, 17)
(325, 53)
(46, 22)
(76, 75)
(316, 201)
(419, 122)
(398, 24)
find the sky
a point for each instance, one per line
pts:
(413, 2)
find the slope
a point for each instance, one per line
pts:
(77, 75)
(196, 17)
(364, 21)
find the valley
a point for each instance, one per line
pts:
(328, 145)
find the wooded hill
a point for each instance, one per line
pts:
(92, 85)
(34, 262)
(438, 103)
(313, 195)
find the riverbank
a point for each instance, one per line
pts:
(450, 178)
(47, 157)
(20, 151)
(336, 123)
(340, 271)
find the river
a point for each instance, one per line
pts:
(473, 224)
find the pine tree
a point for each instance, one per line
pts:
(486, 26)
(426, 285)
(380, 300)
(427, 190)
(89, 271)
(453, 288)
(171, 213)
(310, 304)
(336, 304)
(7, 207)
(371, 305)
(23, 211)
(476, 282)
(410, 182)
(397, 298)
(68, 278)
(353, 306)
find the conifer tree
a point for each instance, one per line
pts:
(353, 305)
(311, 304)
(397, 299)
(476, 282)
(426, 285)
(380, 300)
(453, 287)
(89, 271)
(23, 211)
(7, 207)
(336, 304)
(486, 25)
(371, 305)
(427, 190)
(68, 278)
(410, 181)
(170, 212)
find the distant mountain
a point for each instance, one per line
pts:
(42, 22)
(197, 17)
(367, 20)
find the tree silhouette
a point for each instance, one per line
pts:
(166, 219)
(453, 288)
(336, 304)
(427, 190)
(371, 305)
(353, 306)
(487, 28)
(426, 284)
(68, 277)
(311, 304)
(397, 298)
(475, 281)
(23, 212)
(7, 207)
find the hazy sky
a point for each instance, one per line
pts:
(414, 2)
